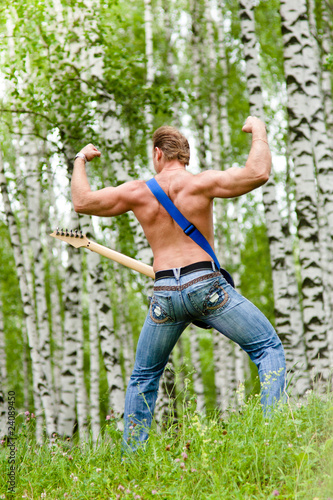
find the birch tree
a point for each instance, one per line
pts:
(196, 43)
(299, 73)
(197, 373)
(292, 340)
(42, 398)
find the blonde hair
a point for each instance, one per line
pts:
(173, 144)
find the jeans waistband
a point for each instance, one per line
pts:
(197, 266)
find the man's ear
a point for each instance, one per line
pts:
(159, 153)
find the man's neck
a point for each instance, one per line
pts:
(170, 166)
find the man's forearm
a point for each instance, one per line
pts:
(259, 158)
(80, 187)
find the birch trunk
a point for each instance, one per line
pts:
(224, 370)
(165, 405)
(196, 58)
(56, 270)
(275, 234)
(148, 19)
(234, 368)
(125, 333)
(102, 332)
(94, 358)
(197, 375)
(327, 48)
(40, 387)
(81, 397)
(223, 97)
(213, 114)
(298, 75)
(34, 223)
(323, 154)
(72, 295)
(166, 4)
(109, 342)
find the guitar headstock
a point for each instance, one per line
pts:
(74, 238)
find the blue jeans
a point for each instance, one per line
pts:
(178, 301)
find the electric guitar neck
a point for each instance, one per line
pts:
(78, 240)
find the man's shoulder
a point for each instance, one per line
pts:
(134, 185)
(135, 190)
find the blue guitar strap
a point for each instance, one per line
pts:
(188, 228)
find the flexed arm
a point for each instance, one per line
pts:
(104, 202)
(236, 181)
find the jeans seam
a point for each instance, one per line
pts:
(174, 288)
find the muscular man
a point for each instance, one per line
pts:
(187, 286)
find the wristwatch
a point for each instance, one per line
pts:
(81, 155)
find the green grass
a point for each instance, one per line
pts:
(243, 456)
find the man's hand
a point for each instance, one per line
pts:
(252, 123)
(90, 152)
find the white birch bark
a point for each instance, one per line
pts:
(34, 222)
(224, 370)
(323, 154)
(197, 374)
(225, 374)
(292, 341)
(40, 387)
(56, 271)
(81, 397)
(234, 369)
(110, 130)
(95, 423)
(124, 331)
(109, 342)
(297, 62)
(72, 301)
(213, 114)
(165, 410)
(24, 229)
(223, 97)
(150, 73)
(196, 59)
(110, 345)
(327, 48)
(169, 29)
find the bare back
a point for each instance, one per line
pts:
(192, 194)
(170, 246)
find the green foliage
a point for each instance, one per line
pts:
(256, 276)
(243, 456)
(268, 29)
(329, 61)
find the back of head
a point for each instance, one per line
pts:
(173, 144)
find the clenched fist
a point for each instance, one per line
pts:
(252, 123)
(90, 152)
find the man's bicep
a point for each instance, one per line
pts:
(108, 202)
(229, 183)
(221, 184)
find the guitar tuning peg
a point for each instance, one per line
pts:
(62, 232)
(71, 233)
(81, 235)
(67, 233)
(75, 234)
(57, 230)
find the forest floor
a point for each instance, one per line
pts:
(239, 456)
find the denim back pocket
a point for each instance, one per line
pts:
(161, 309)
(207, 299)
